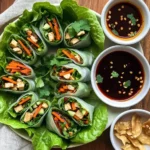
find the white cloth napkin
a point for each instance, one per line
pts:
(8, 139)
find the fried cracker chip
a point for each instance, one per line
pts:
(136, 125)
(144, 139)
(122, 127)
(129, 147)
(123, 138)
(146, 127)
(137, 144)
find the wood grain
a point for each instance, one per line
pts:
(103, 142)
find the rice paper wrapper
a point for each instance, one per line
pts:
(30, 62)
(85, 42)
(43, 33)
(36, 30)
(86, 57)
(85, 105)
(50, 124)
(83, 90)
(83, 71)
(34, 98)
(39, 122)
(31, 86)
(32, 75)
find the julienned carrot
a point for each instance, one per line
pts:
(50, 24)
(14, 71)
(16, 64)
(9, 80)
(56, 28)
(24, 100)
(76, 117)
(37, 111)
(86, 122)
(61, 90)
(68, 54)
(73, 106)
(58, 116)
(67, 126)
(25, 48)
(25, 71)
(30, 40)
(56, 119)
(12, 67)
(67, 72)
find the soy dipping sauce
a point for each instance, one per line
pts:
(122, 74)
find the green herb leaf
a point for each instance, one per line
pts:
(81, 25)
(71, 32)
(39, 82)
(99, 79)
(44, 92)
(132, 18)
(127, 84)
(57, 62)
(114, 74)
(115, 32)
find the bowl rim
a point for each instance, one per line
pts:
(146, 85)
(111, 133)
(139, 37)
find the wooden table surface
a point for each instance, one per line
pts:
(103, 142)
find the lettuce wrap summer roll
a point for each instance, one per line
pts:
(51, 30)
(21, 50)
(81, 58)
(16, 67)
(36, 113)
(35, 40)
(77, 34)
(16, 84)
(22, 104)
(57, 121)
(80, 111)
(70, 73)
(78, 89)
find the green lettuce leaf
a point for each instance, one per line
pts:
(72, 11)
(90, 134)
(45, 140)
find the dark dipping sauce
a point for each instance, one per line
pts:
(122, 75)
(124, 20)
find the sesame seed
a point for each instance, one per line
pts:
(116, 23)
(111, 67)
(129, 94)
(125, 18)
(124, 92)
(121, 16)
(140, 86)
(121, 77)
(137, 79)
(121, 28)
(129, 28)
(119, 9)
(111, 62)
(120, 84)
(109, 12)
(119, 92)
(130, 22)
(129, 34)
(107, 19)
(140, 72)
(122, 73)
(121, 19)
(119, 81)
(107, 91)
(138, 25)
(122, 6)
(109, 25)
(131, 89)
(141, 81)
(111, 77)
(137, 19)
(131, 72)
(109, 16)
(141, 78)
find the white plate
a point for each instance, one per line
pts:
(112, 112)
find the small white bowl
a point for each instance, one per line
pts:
(145, 13)
(126, 116)
(133, 100)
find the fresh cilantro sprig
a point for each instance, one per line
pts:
(114, 74)
(127, 84)
(115, 32)
(99, 79)
(132, 18)
(78, 26)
